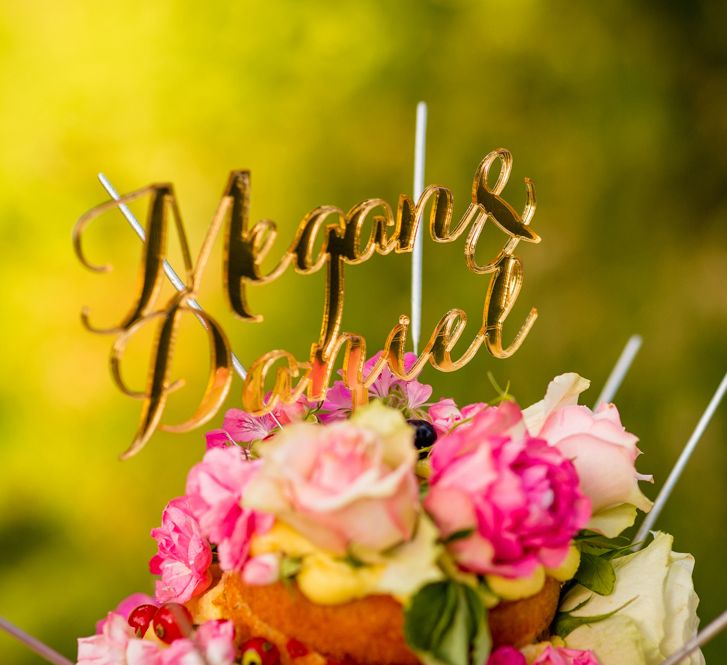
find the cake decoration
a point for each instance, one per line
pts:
(411, 530)
(330, 238)
(359, 518)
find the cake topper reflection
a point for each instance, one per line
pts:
(326, 238)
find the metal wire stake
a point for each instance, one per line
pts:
(417, 261)
(681, 463)
(705, 635)
(619, 371)
(43, 650)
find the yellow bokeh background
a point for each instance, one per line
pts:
(616, 111)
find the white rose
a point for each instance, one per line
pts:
(657, 623)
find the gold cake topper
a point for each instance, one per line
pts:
(327, 237)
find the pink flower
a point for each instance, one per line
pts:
(519, 496)
(125, 607)
(215, 641)
(444, 414)
(108, 647)
(214, 490)
(408, 396)
(261, 570)
(240, 426)
(218, 438)
(506, 656)
(184, 555)
(116, 645)
(561, 656)
(604, 455)
(344, 483)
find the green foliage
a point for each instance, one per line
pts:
(446, 624)
(596, 573)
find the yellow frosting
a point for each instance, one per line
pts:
(282, 539)
(326, 581)
(520, 587)
(568, 568)
(323, 578)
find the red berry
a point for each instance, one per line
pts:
(258, 651)
(296, 648)
(167, 622)
(140, 618)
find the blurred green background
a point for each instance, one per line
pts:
(616, 110)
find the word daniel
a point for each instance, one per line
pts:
(342, 241)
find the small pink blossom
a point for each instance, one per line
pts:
(239, 426)
(506, 656)
(560, 656)
(116, 645)
(125, 607)
(215, 488)
(408, 396)
(108, 647)
(262, 570)
(215, 641)
(519, 495)
(183, 557)
(445, 414)
(350, 482)
(218, 438)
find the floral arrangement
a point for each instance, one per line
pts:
(453, 511)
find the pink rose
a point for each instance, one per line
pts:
(214, 491)
(506, 656)
(346, 483)
(125, 607)
(407, 396)
(183, 557)
(604, 454)
(519, 496)
(561, 656)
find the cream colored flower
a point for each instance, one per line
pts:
(657, 623)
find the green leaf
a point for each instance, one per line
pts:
(482, 642)
(429, 615)
(446, 624)
(596, 573)
(565, 623)
(457, 535)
